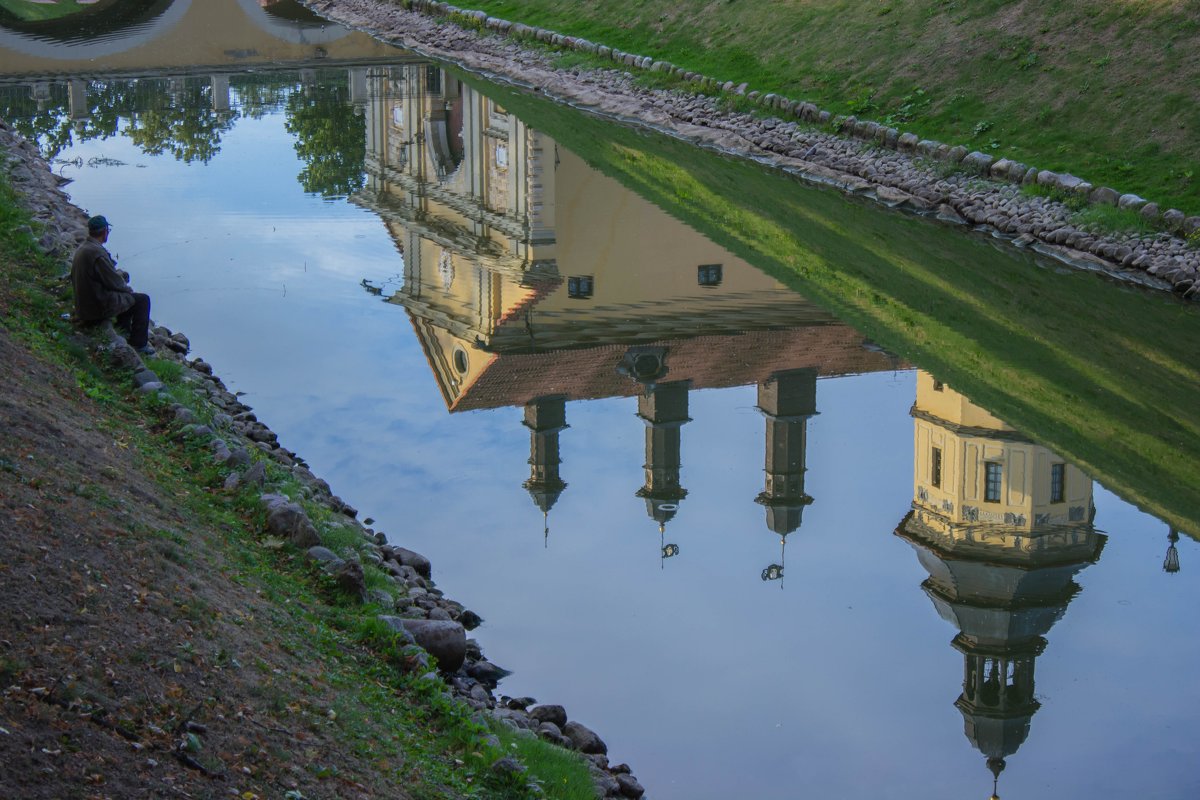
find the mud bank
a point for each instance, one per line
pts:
(897, 170)
(415, 609)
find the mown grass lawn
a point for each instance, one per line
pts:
(39, 12)
(1106, 90)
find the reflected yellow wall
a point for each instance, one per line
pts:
(968, 438)
(517, 201)
(210, 33)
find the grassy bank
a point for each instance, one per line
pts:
(1108, 91)
(1104, 374)
(155, 638)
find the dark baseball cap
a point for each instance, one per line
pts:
(97, 224)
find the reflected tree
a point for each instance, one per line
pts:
(159, 116)
(186, 126)
(330, 138)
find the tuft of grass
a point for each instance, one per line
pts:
(1110, 219)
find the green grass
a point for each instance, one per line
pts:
(1104, 374)
(1099, 89)
(39, 12)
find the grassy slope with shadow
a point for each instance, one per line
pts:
(1106, 90)
(1102, 373)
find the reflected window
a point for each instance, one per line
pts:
(991, 481)
(1058, 483)
(935, 468)
(502, 156)
(580, 287)
(709, 274)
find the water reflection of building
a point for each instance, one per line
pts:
(528, 275)
(1002, 525)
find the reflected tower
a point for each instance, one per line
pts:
(545, 417)
(787, 400)
(1002, 525)
(664, 409)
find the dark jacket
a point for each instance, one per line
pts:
(100, 291)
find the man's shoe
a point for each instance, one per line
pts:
(145, 350)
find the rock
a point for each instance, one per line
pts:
(1104, 196)
(470, 620)
(891, 197)
(551, 733)
(1150, 212)
(1191, 225)
(232, 481)
(179, 343)
(507, 766)
(287, 520)
(907, 142)
(606, 784)
(381, 598)
(1131, 201)
(977, 162)
(1173, 219)
(517, 719)
(444, 640)
(549, 713)
(999, 169)
(238, 457)
(185, 416)
(145, 376)
(520, 703)
(255, 476)
(415, 560)
(321, 555)
(439, 613)
(1071, 183)
(397, 626)
(629, 786)
(946, 213)
(955, 154)
(487, 673)
(351, 580)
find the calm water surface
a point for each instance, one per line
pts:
(739, 562)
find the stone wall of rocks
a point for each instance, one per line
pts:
(896, 168)
(424, 618)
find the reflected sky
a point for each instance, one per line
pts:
(838, 681)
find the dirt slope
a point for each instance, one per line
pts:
(121, 624)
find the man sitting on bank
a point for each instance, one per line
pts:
(102, 292)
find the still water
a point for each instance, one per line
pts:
(758, 553)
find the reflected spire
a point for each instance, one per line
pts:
(787, 400)
(1171, 561)
(664, 409)
(545, 417)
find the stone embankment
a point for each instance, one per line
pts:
(415, 609)
(894, 168)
